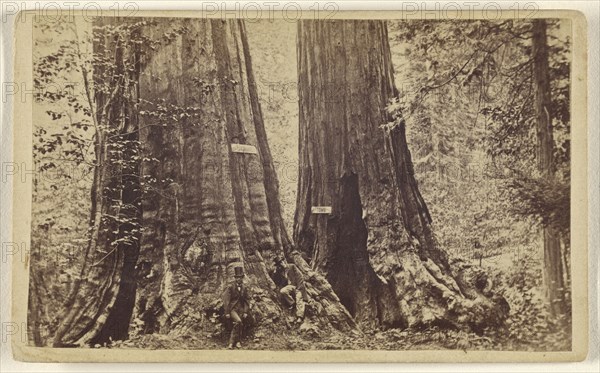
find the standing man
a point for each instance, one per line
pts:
(294, 288)
(236, 304)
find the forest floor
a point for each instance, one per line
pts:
(516, 273)
(392, 339)
(527, 329)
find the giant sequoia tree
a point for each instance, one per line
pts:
(210, 193)
(100, 303)
(376, 247)
(217, 207)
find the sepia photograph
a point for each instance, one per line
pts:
(328, 183)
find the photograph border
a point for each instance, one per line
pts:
(22, 193)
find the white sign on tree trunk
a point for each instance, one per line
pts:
(243, 148)
(321, 209)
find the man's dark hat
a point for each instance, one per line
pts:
(238, 272)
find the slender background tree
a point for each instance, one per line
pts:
(556, 268)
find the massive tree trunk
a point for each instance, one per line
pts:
(101, 301)
(376, 248)
(209, 207)
(185, 91)
(556, 268)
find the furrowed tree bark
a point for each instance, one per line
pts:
(100, 304)
(209, 208)
(556, 269)
(376, 248)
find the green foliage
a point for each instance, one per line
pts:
(466, 91)
(447, 72)
(529, 326)
(85, 80)
(466, 94)
(546, 201)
